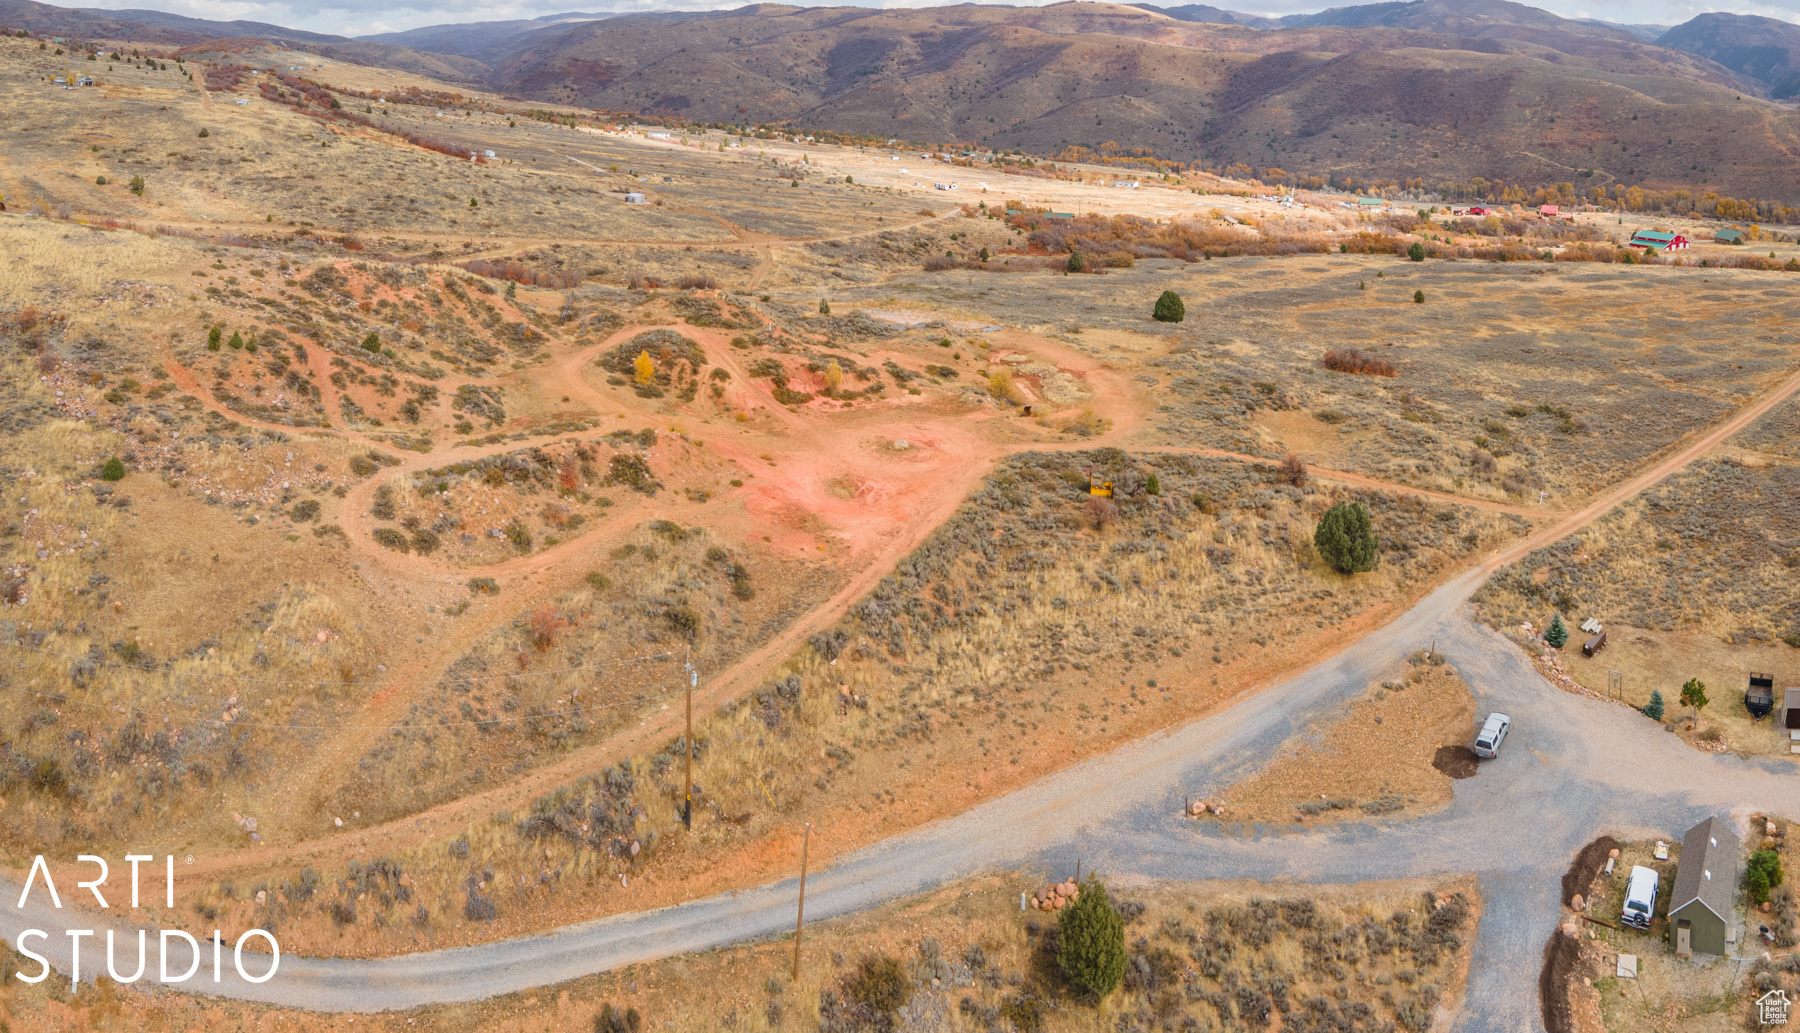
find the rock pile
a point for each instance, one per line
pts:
(1053, 898)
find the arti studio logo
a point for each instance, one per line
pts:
(1772, 1008)
(167, 944)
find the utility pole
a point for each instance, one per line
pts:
(800, 915)
(687, 806)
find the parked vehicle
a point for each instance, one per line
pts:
(1493, 733)
(1640, 897)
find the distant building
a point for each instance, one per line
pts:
(1728, 237)
(1126, 184)
(1479, 210)
(1372, 202)
(657, 134)
(1548, 209)
(1659, 240)
(490, 154)
(1060, 215)
(635, 198)
(85, 81)
(1701, 907)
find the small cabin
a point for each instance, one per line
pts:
(1790, 711)
(1701, 906)
(635, 198)
(1728, 237)
(1759, 698)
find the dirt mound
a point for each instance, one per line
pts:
(1562, 955)
(1587, 865)
(1456, 761)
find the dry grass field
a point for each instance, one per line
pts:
(436, 475)
(1223, 955)
(1383, 756)
(1690, 581)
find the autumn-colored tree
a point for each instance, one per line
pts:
(645, 367)
(834, 375)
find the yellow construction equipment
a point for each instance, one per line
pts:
(1104, 489)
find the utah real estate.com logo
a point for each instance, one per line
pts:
(1772, 1008)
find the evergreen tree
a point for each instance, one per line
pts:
(215, 338)
(1416, 252)
(1557, 634)
(1169, 308)
(237, 341)
(1654, 709)
(114, 470)
(1075, 262)
(1345, 538)
(1418, 297)
(824, 307)
(1091, 941)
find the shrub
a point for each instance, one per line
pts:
(1293, 470)
(1557, 634)
(304, 510)
(1091, 942)
(215, 339)
(1693, 694)
(1169, 308)
(610, 1020)
(1761, 874)
(1351, 360)
(1120, 260)
(391, 538)
(684, 622)
(1075, 263)
(632, 470)
(114, 470)
(1001, 386)
(204, 134)
(1654, 709)
(99, 180)
(424, 541)
(1345, 538)
(137, 185)
(1418, 297)
(519, 536)
(483, 586)
(824, 307)
(880, 984)
(1101, 511)
(237, 341)
(1416, 252)
(1152, 486)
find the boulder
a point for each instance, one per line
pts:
(1613, 853)
(1577, 903)
(1569, 930)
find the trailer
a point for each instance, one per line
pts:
(1759, 698)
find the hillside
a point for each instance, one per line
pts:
(1763, 50)
(1451, 103)
(1433, 90)
(173, 30)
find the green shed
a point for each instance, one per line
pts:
(1701, 908)
(1728, 237)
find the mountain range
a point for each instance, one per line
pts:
(1429, 89)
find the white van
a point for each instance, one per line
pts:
(1493, 733)
(1640, 898)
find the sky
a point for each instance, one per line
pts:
(352, 18)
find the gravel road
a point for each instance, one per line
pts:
(1573, 768)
